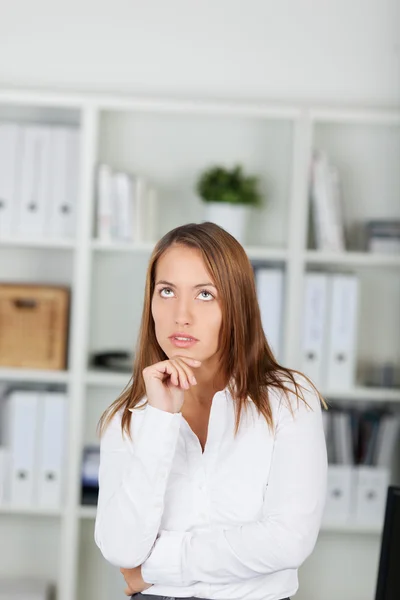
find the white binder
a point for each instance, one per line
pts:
(10, 156)
(342, 438)
(340, 494)
(62, 190)
(269, 283)
(315, 326)
(4, 474)
(33, 192)
(51, 449)
(23, 422)
(388, 432)
(342, 336)
(122, 206)
(371, 491)
(104, 205)
(140, 209)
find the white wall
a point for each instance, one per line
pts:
(331, 50)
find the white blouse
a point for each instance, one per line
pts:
(233, 522)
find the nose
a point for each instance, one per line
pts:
(183, 313)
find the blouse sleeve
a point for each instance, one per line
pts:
(132, 480)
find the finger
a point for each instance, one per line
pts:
(171, 369)
(185, 374)
(128, 591)
(190, 361)
(161, 370)
(189, 364)
(189, 375)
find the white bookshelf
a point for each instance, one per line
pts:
(170, 142)
(55, 244)
(30, 510)
(352, 259)
(34, 375)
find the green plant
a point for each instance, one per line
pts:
(219, 184)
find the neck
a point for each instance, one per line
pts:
(209, 382)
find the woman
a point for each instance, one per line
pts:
(213, 462)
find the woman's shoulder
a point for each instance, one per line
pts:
(294, 392)
(114, 427)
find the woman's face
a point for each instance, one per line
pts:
(185, 305)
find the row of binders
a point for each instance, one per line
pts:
(329, 323)
(326, 205)
(33, 439)
(39, 180)
(329, 329)
(361, 446)
(356, 437)
(126, 207)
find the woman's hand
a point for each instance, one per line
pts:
(134, 580)
(166, 382)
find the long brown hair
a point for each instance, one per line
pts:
(245, 354)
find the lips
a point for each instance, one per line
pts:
(181, 340)
(182, 337)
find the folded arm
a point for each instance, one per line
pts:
(132, 482)
(287, 532)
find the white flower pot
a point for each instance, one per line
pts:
(231, 217)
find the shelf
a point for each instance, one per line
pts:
(356, 259)
(107, 378)
(36, 375)
(50, 244)
(115, 246)
(31, 510)
(374, 394)
(260, 253)
(253, 252)
(87, 512)
(366, 528)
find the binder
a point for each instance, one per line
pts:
(104, 216)
(343, 438)
(123, 206)
(269, 285)
(340, 494)
(342, 332)
(140, 210)
(387, 436)
(326, 205)
(371, 492)
(33, 189)
(51, 449)
(10, 156)
(23, 424)
(4, 475)
(315, 326)
(62, 182)
(151, 214)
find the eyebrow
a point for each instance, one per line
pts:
(195, 286)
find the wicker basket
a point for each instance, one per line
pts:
(34, 326)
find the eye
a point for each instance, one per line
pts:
(206, 295)
(168, 292)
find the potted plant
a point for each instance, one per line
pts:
(228, 196)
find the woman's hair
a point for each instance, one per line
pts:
(245, 355)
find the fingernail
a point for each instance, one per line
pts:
(193, 380)
(186, 385)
